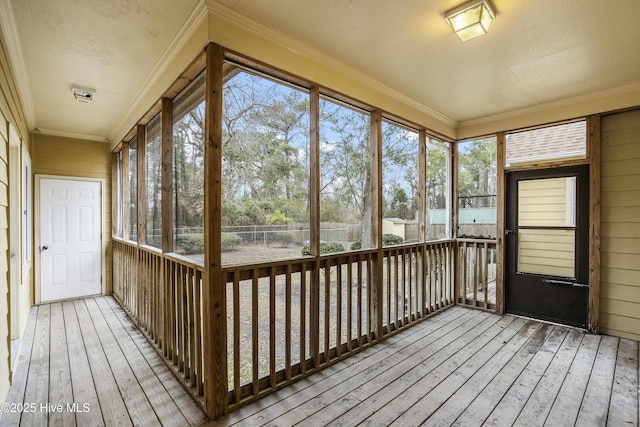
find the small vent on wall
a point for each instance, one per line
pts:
(83, 95)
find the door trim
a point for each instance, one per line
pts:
(582, 243)
(36, 227)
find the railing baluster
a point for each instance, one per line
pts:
(303, 316)
(254, 333)
(198, 336)
(485, 273)
(327, 309)
(359, 283)
(236, 334)
(388, 282)
(349, 303)
(272, 327)
(287, 327)
(338, 309)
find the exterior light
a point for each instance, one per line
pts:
(471, 19)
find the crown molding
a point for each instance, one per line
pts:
(73, 135)
(314, 54)
(562, 103)
(199, 15)
(16, 61)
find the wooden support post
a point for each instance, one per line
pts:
(594, 151)
(376, 223)
(422, 221)
(142, 184)
(314, 233)
(126, 197)
(501, 204)
(454, 190)
(455, 206)
(115, 203)
(213, 292)
(167, 175)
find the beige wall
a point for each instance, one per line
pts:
(54, 155)
(12, 128)
(620, 253)
(5, 344)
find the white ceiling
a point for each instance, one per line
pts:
(536, 52)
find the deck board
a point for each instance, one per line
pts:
(407, 371)
(37, 390)
(81, 378)
(595, 404)
(60, 391)
(465, 367)
(459, 367)
(535, 411)
(427, 375)
(17, 389)
(624, 406)
(569, 399)
(185, 403)
(85, 352)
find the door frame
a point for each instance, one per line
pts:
(581, 241)
(36, 228)
(594, 160)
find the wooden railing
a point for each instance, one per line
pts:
(163, 295)
(289, 319)
(477, 273)
(285, 319)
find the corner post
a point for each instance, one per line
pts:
(314, 237)
(501, 204)
(421, 269)
(213, 290)
(376, 223)
(595, 201)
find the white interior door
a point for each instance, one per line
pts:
(70, 239)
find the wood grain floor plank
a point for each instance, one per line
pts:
(410, 368)
(429, 373)
(82, 382)
(539, 404)
(187, 406)
(163, 405)
(60, 391)
(312, 398)
(487, 400)
(37, 390)
(335, 374)
(138, 406)
(304, 408)
(19, 385)
(444, 403)
(514, 400)
(597, 397)
(568, 400)
(461, 367)
(114, 411)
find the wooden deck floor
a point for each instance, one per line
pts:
(86, 356)
(466, 367)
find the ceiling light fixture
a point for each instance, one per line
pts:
(83, 95)
(471, 19)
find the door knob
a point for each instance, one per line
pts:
(44, 248)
